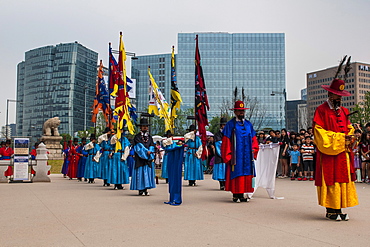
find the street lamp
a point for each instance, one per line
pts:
(128, 53)
(7, 116)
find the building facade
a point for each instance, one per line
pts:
(294, 119)
(160, 67)
(253, 61)
(358, 83)
(56, 81)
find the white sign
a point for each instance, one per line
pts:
(21, 146)
(20, 168)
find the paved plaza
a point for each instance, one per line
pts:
(71, 213)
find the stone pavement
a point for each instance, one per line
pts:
(70, 213)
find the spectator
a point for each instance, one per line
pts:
(365, 157)
(283, 154)
(295, 163)
(308, 151)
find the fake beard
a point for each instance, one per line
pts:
(336, 103)
(240, 117)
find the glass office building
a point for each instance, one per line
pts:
(253, 61)
(160, 67)
(56, 81)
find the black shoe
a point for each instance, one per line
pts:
(141, 192)
(244, 199)
(222, 187)
(344, 217)
(333, 216)
(236, 199)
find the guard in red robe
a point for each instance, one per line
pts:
(73, 157)
(335, 173)
(7, 153)
(239, 149)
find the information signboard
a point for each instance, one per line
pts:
(20, 168)
(21, 146)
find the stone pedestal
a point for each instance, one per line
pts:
(53, 146)
(42, 166)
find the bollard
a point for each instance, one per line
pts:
(42, 166)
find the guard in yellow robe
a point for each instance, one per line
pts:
(335, 173)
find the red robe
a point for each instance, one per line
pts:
(333, 167)
(7, 151)
(73, 157)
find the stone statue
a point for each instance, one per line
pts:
(50, 127)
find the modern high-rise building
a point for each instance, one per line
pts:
(56, 81)
(358, 83)
(253, 61)
(160, 67)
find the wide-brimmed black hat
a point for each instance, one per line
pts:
(8, 141)
(92, 137)
(107, 129)
(223, 120)
(168, 133)
(75, 139)
(143, 122)
(191, 128)
(83, 139)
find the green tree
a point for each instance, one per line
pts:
(363, 108)
(65, 138)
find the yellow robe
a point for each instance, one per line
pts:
(339, 195)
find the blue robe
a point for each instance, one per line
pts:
(165, 160)
(131, 161)
(143, 175)
(175, 157)
(193, 169)
(81, 162)
(66, 162)
(118, 173)
(219, 169)
(105, 161)
(92, 168)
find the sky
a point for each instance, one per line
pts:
(318, 33)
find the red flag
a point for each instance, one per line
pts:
(201, 101)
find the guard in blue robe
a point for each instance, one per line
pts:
(118, 174)
(92, 165)
(167, 144)
(143, 174)
(175, 157)
(239, 149)
(193, 169)
(66, 160)
(106, 157)
(219, 168)
(82, 161)
(131, 160)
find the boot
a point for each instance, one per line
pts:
(222, 185)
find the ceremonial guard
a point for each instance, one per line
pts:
(118, 174)
(193, 169)
(6, 153)
(219, 168)
(335, 172)
(106, 157)
(82, 161)
(238, 150)
(143, 174)
(73, 157)
(66, 158)
(167, 144)
(92, 162)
